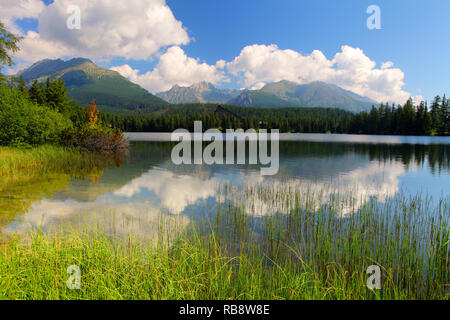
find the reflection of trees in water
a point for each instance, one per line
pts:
(436, 156)
(19, 190)
(26, 188)
(314, 158)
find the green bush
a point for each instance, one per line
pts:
(98, 138)
(23, 121)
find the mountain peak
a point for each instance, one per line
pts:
(202, 85)
(86, 81)
(78, 61)
(287, 82)
(314, 94)
(51, 67)
(199, 92)
(44, 61)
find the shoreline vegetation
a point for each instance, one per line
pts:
(51, 158)
(308, 252)
(43, 114)
(407, 119)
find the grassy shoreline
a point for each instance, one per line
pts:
(47, 158)
(306, 254)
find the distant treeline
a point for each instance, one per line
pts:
(404, 119)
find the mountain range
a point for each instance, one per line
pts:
(314, 94)
(277, 94)
(114, 93)
(201, 92)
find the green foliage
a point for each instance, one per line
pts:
(52, 94)
(183, 116)
(387, 119)
(49, 159)
(113, 91)
(44, 114)
(37, 93)
(403, 120)
(8, 46)
(56, 95)
(23, 121)
(98, 138)
(440, 116)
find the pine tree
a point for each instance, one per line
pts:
(374, 120)
(55, 93)
(435, 111)
(37, 93)
(8, 46)
(443, 117)
(428, 122)
(22, 85)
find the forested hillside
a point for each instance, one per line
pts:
(404, 119)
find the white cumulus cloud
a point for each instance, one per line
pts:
(34, 48)
(258, 86)
(11, 10)
(134, 29)
(174, 67)
(350, 69)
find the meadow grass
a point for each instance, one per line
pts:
(307, 252)
(47, 158)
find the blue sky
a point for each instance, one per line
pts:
(414, 33)
(413, 37)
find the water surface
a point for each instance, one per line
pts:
(147, 185)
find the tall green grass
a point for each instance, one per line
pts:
(306, 251)
(48, 158)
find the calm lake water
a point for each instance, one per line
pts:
(133, 196)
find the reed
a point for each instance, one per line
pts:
(48, 158)
(302, 247)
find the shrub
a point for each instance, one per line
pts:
(23, 121)
(99, 138)
(94, 136)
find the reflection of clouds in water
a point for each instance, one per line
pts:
(142, 219)
(174, 191)
(141, 214)
(353, 189)
(377, 179)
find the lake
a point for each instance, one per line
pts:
(147, 186)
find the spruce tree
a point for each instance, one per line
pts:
(37, 93)
(22, 86)
(8, 46)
